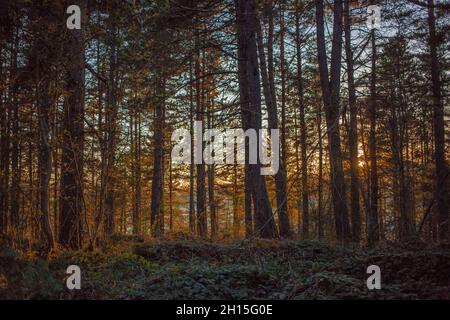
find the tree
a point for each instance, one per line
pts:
(42, 23)
(109, 153)
(202, 227)
(303, 145)
(330, 93)
(353, 130)
(157, 211)
(373, 230)
(71, 195)
(441, 166)
(250, 101)
(268, 83)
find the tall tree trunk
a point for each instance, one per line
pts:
(158, 154)
(236, 220)
(43, 103)
(202, 226)
(250, 100)
(373, 229)
(285, 225)
(249, 224)
(71, 195)
(320, 232)
(135, 133)
(170, 193)
(442, 173)
(270, 100)
(55, 169)
(15, 171)
(303, 146)
(44, 156)
(5, 154)
(211, 195)
(99, 210)
(330, 93)
(191, 164)
(111, 131)
(353, 131)
(398, 124)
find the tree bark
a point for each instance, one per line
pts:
(373, 229)
(250, 100)
(111, 132)
(15, 142)
(202, 227)
(211, 173)
(353, 130)
(71, 195)
(5, 131)
(270, 100)
(158, 159)
(441, 166)
(330, 93)
(303, 146)
(320, 230)
(191, 165)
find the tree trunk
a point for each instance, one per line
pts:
(111, 129)
(170, 193)
(5, 154)
(135, 130)
(202, 227)
(158, 156)
(15, 143)
(330, 94)
(320, 232)
(303, 146)
(442, 173)
(211, 196)
(373, 229)
(269, 97)
(44, 157)
(353, 131)
(281, 175)
(43, 104)
(250, 101)
(192, 164)
(248, 204)
(71, 195)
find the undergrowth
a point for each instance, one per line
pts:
(257, 269)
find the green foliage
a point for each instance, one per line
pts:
(26, 278)
(256, 269)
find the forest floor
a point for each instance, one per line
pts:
(256, 269)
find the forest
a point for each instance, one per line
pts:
(350, 100)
